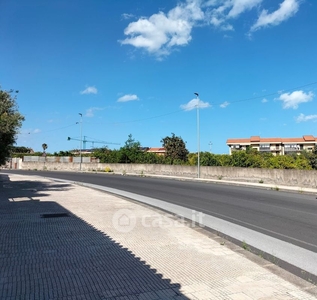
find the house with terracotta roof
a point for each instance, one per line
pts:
(158, 151)
(276, 146)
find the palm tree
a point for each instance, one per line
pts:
(44, 146)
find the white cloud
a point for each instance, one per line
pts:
(292, 100)
(212, 3)
(160, 33)
(89, 90)
(36, 130)
(303, 118)
(225, 104)
(226, 10)
(264, 100)
(90, 112)
(192, 104)
(287, 9)
(240, 6)
(127, 16)
(127, 98)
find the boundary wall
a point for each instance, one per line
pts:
(298, 178)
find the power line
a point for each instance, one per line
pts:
(267, 95)
(181, 110)
(144, 119)
(213, 103)
(54, 129)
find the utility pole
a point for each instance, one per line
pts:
(210, 144)
(81, 139)
(198, 137)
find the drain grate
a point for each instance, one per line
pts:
(58, 215)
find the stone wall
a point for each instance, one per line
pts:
(300, 178)
(13, 163)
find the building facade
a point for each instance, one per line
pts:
(276, 146)
(158, 150)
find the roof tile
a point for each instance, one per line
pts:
(257, 139)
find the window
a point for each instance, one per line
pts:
(291, 147)
(265, 147)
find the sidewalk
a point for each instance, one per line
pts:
(62, 241)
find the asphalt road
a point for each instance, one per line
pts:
(291, 217)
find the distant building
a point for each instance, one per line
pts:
(158, 151)
(83, 151)
(276, 146)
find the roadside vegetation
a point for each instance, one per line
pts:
(132, 151)
(176, 154)
(254, 159)
(10, 123)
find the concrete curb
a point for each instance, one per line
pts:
(276, 187)
(298, 261)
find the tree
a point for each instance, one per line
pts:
(44, 146)
(21, 149)
(312, 157)
(10, 122)
(130, 152)
(175, 148)
(63, 153)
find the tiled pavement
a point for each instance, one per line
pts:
(111, 248)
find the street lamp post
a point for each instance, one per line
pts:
(198, 137)
(210, 144)
(81, 139)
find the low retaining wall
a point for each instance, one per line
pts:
(300, 178)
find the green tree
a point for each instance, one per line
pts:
(311, 157)
(255, 161)
(63, 153)
(282, 162)
(192, 159)
(302, 163)
(150, 158)
(225, 160)
(21, 149)
(130, 152)
(105, 155)
(239, 158)
(208, 159)
(10, 122)
(175, 148)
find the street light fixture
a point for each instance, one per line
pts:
(198, 137)
(81, 139)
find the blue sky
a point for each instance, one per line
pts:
(132, 67)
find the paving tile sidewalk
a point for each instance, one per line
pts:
(62, 241)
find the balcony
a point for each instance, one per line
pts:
(276, 148)
(265, 148)
(292, 148)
